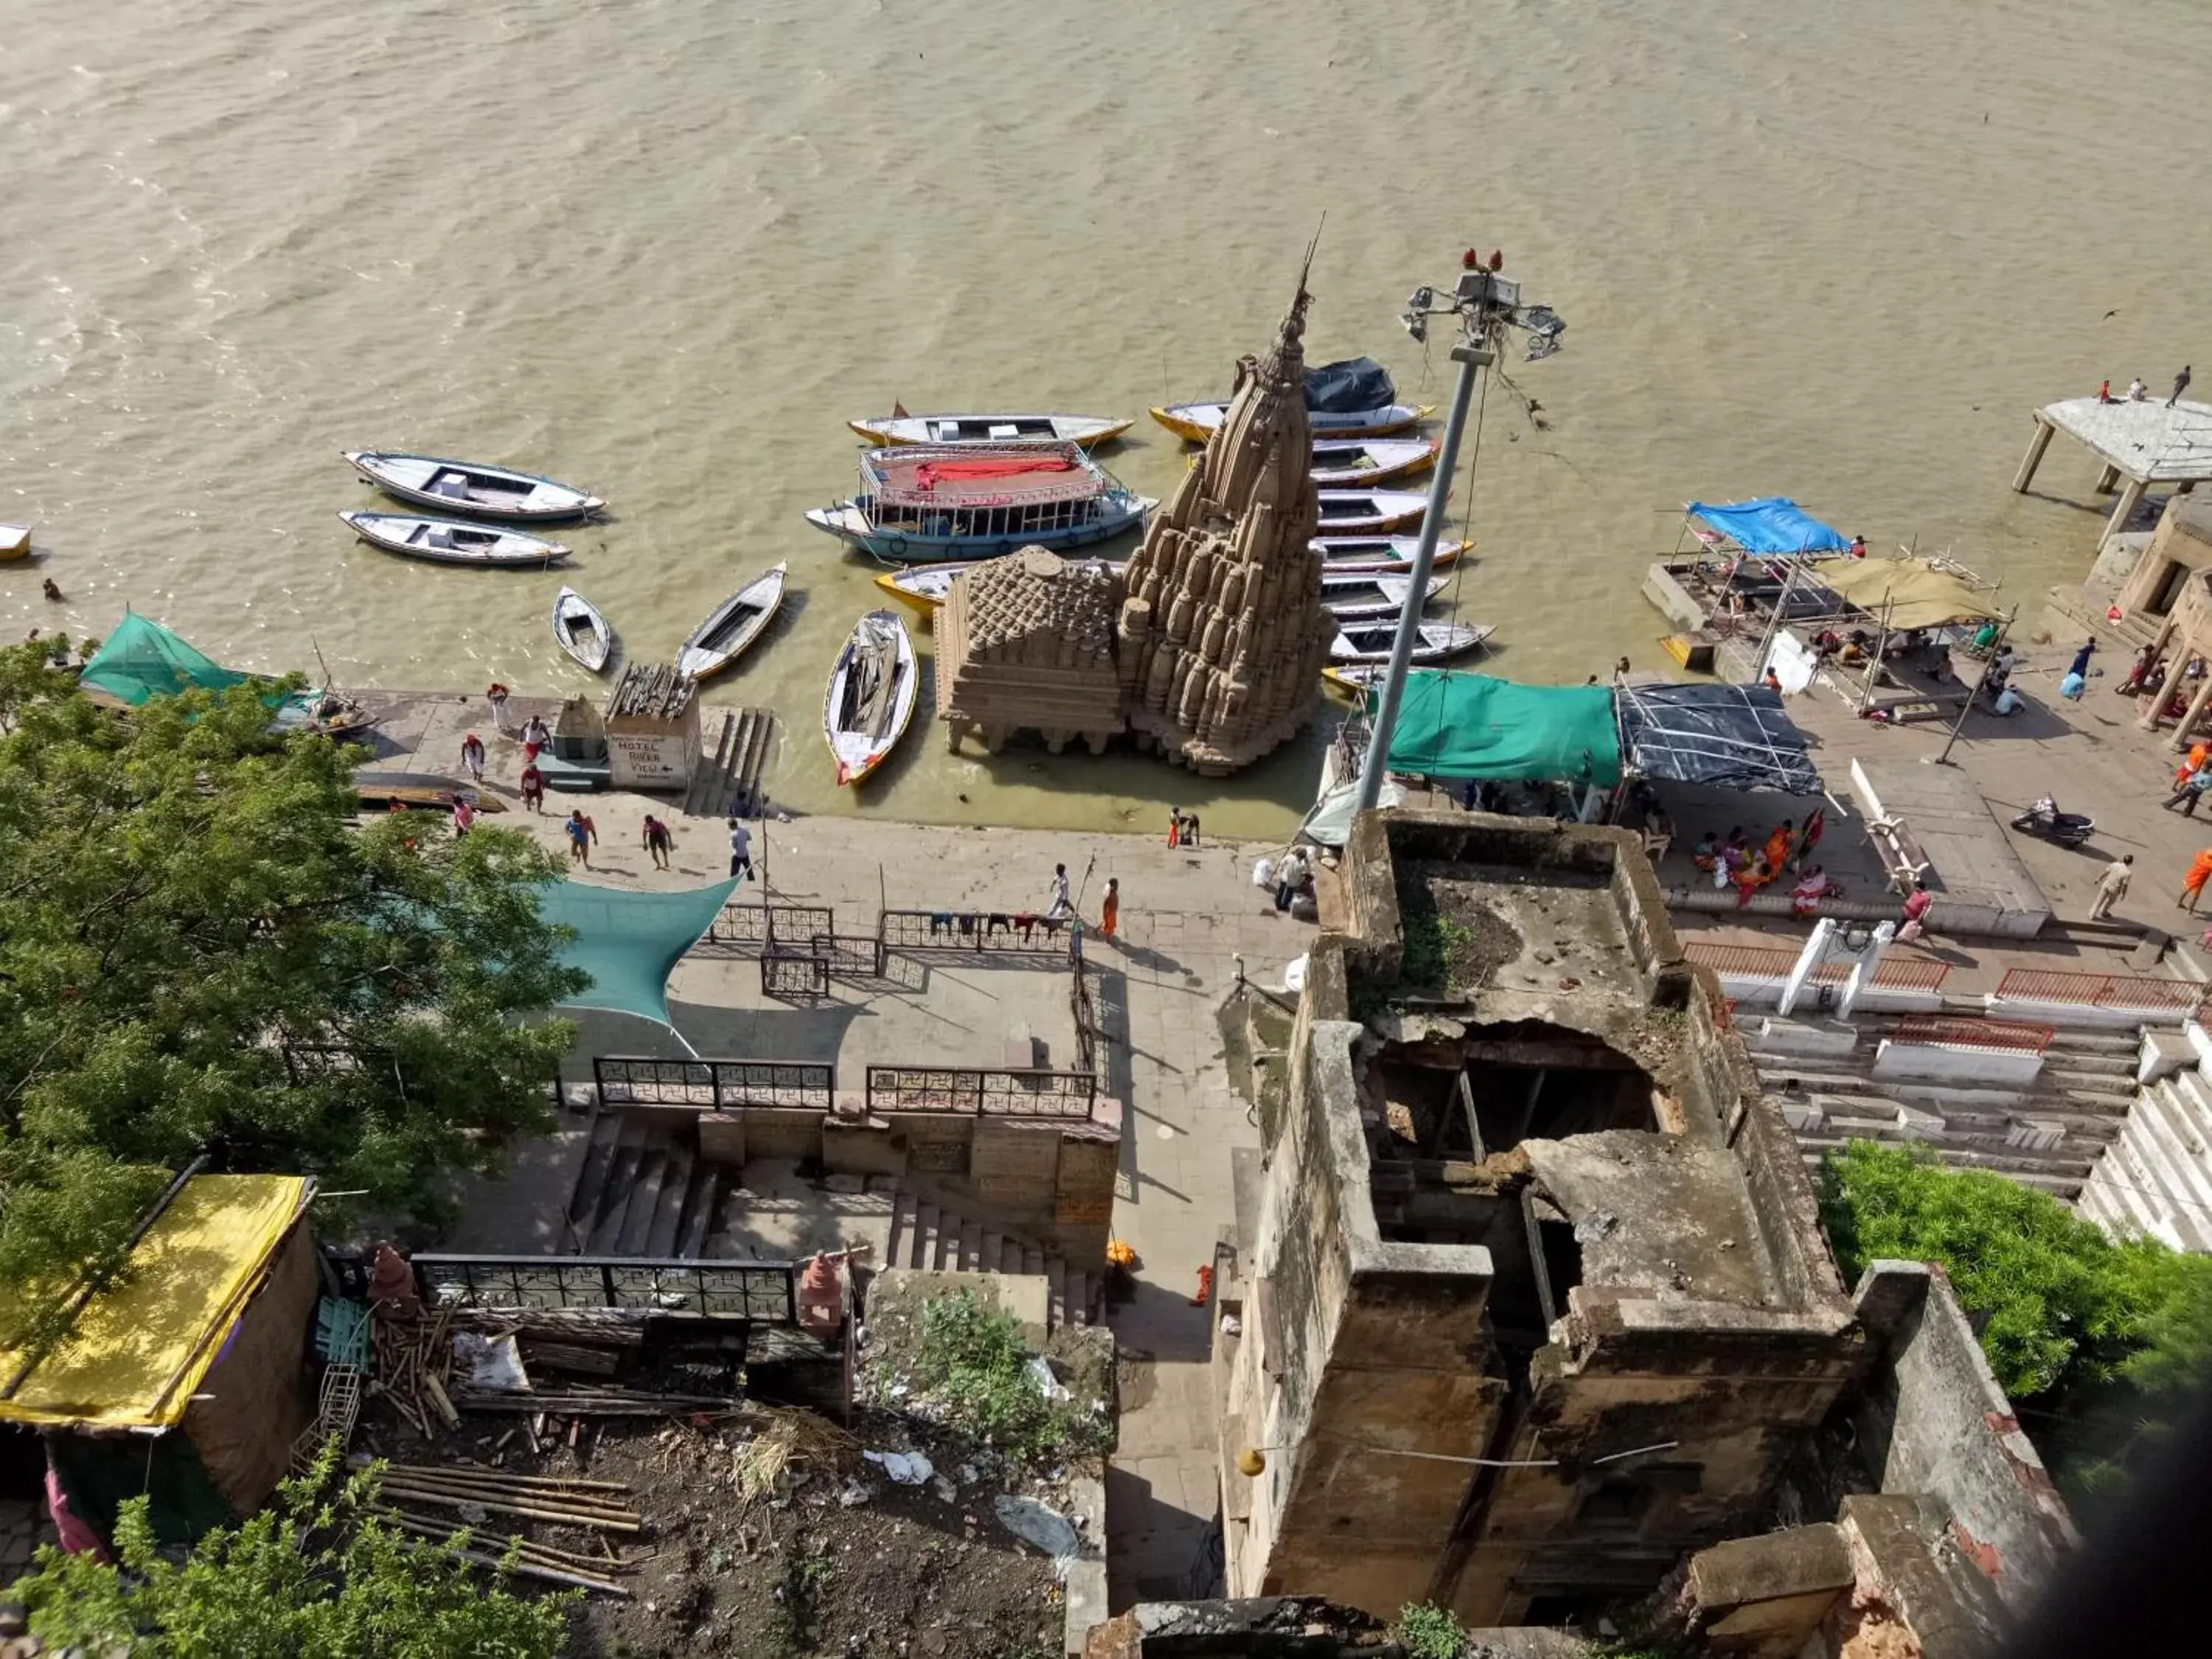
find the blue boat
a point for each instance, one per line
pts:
(922, 503)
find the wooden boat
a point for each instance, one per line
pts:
(327, 713)
(1370, 642)
(470, 487)
(923, 503)
(734, 625)
(420, 789)
(447, 541)
(15, 541)
(1382, 552)
(1339, 462)
(1370, 512)
(871, 696)
(1351, 595)
(988, 429)
(581, 630)
(926, 587)
(1198, 422)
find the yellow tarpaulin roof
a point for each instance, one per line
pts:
(137, 1351)
(1916, 593)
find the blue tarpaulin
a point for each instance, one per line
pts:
(1774, 524)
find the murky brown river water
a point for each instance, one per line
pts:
(663, 249)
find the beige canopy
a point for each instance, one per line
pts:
(1909, 592)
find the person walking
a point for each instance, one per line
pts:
(2080, 668)
(657, 841)
(741, 849)
(1110, 908)
(2180, 385)
(1816, 824)
(2191, 792)
(465, 816)
(1062, 904)
(1917, 904)
(496, 694)
(2111, 886)
(2192, 884)
(533, 787)
(472, 757)
(582, 833)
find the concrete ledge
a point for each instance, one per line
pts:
(1944, 1062)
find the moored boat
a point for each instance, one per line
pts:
(871, 696)
(1370, 642)
(447, 541)
(581, 630)
(1382, 552)
(1196, 422)
(926, 587)
(473, 488)
(1342, 461)
(990, 429)
(1370, 512)
(427, 790)
(919, 503)
(1348, 595)
(731, 626)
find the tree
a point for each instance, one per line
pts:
(303, 1580)
(201, 952)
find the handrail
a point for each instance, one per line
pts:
(2103, 990)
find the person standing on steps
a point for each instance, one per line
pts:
(2111, 886)
(741, 848)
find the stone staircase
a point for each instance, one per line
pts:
(644, 1190)
(2157, 1177)
(2047, 1134)
(928, 1235)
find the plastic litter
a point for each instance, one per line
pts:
(853, 1495)
(1048, 1530)
(907, 1468)
(493, 1363)
(1050, 1386)
(1232, 1325)
(1294, 976)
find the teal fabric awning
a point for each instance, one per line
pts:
(141, 661)
(1470, 725)
(629, 943)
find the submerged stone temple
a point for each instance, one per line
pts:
(1222, 635)
(1026, 642)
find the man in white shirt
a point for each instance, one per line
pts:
(1062, 904)
(741, 849)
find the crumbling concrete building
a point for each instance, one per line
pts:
(1531, 1301)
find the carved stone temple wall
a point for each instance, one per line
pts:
(1222, 635)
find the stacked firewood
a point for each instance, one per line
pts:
(415, 1496)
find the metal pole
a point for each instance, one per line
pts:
(1470, 358)
(1995, 645)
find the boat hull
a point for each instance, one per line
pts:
(1370, 512)
(481, 546)
(851, 524)
(1360, 424)
(1087, 430)
(1381, 554)
(593, 642)
(760, 598)
(523, 497)
(858, 757)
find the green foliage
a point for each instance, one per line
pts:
(303, 1580)
(2058, 1303)
(1430, 1633)
(201, 952)
(1432, 939)
(971, 1358)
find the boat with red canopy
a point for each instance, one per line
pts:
(922, 503)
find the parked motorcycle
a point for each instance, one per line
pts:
(2044, 819)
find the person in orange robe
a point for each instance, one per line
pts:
(1778, 848)
(2192, 884)
(1110, 909)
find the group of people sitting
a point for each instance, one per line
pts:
(1733, 859)
(2153, 674)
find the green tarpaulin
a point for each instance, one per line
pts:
(1469, 726)
(629, 943)
(143, 659)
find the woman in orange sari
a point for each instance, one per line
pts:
(1778, 848)
(2192, 884)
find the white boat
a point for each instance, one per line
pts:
(904, 428)
(1198, 422)
(1382, 552)
(581, 630)
(1370, 512)
(443, 541)
(470, 487)
(1370, 642)
(1341, 461)
(734, 625)
(926, 587)
(871, 696)
(1352, 595)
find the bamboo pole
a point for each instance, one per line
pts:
(534, 1512)
(477, 1472)
(429, 1527)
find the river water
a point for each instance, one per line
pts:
(663, 249)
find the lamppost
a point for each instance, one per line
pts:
(1486, 304)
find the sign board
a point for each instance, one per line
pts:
(651, 760)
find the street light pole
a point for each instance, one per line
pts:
(1471, 359)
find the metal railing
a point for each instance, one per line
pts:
(713, 1086)
(1762, 962)
(786, 974)
(770, 927)
(2011, 1036)
(1083, 1008)
(764, 1291)
(982, 1091)
(973, 931)
(2180, 996)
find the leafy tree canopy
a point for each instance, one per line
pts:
(201, 951)
(298, 1581)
